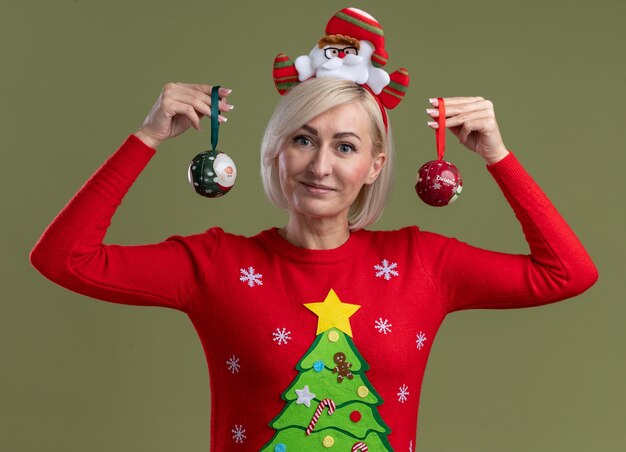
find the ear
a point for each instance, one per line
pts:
(377, 166)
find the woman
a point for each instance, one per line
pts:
(322, 312)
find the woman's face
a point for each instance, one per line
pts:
(324, 164)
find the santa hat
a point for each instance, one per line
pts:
(359, 25)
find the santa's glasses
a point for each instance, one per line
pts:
(331, 52)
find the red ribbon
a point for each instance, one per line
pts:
(441, 130)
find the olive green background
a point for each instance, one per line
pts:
(78, 76)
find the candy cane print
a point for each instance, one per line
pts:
(323, 404)
(359, 446)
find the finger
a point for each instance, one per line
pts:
(195, 94)
(200, 101)
(449, 101)
(198, 87)
(465, 132)
(223, 92)
(224, 106)
(462, 132)
(189, 91)
(482, 126)
(479, 121)
(484, 116)
(173, 107)
(191, 113)
(458, 109)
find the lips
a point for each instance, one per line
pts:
(317, 188)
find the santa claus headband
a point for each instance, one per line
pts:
(353, 48)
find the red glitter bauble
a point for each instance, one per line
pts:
(438, 183)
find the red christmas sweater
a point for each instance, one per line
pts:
(292, 335)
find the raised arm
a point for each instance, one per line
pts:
(558, 266)
(71, 252)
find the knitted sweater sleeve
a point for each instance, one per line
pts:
(558, 267)
(71, 252)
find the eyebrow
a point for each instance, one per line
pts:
(314, 131)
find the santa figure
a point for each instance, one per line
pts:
(225, 171)
(353, 48)
(340, 56)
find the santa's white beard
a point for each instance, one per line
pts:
(351, 67)
(225, 180)
(348, 60)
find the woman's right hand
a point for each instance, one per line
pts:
(179, 107)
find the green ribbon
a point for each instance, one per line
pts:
(215, 113)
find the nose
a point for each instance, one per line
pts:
(321, 162)
(341, 54)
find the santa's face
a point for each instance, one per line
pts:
(326, 162)
(225, 171)
(343, 61)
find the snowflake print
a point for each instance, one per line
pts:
(403, 393)
(385, 270)
(233, 365)
(281, 336)
(421, 338)
(383, 326)
(436, 185)
(250, 277)
(239, 434)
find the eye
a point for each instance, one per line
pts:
(351, 51)
(302, 140)
(346, 148)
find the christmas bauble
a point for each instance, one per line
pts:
(438, 183)
(212, 173)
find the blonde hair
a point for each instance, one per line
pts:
(306, 101)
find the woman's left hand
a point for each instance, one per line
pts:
(473, 121)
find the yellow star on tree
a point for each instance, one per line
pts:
(332, 313)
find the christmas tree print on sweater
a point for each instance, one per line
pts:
(331, 403)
